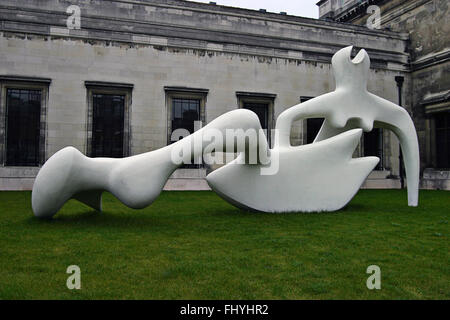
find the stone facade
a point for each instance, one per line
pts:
(152, 47)
(428, 26)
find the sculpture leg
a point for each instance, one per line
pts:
(136, 181)
(92, 199)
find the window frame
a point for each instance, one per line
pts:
(432, 107)
(304, 99)
(381, 166)
(434, 144)
(263, 98)
(24, 83)
(184, 93)
(109, 88)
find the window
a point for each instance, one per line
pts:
(23, 113)
(263, 105)
(185, 114)
(108, 125)
(108, 119)
(186, 110)
(313, 125)
(437, 123)
(261, 110)
(373, 145)
(442, 125)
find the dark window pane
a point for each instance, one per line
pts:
(313, 126)
(184, 113)
(262, 110)
(108, 125)
(373, 145)
(23, 127)
(442, 121)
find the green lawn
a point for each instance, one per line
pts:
(193, 245)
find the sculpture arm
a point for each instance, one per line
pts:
(403, 127)
(315, 108)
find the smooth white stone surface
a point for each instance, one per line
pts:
(315, 177)
(352, 106)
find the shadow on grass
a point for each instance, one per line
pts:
(181, 210)
(98, 220)
(354, 207)
(146, 218)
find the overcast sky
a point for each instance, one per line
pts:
(304, 8)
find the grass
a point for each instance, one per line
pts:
(193, 245)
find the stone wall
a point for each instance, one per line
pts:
(154, 44)
(427, 23)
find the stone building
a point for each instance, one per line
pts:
(136, 70)
(428, 24)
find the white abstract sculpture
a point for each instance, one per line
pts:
(136, 181)
(315, 177)
(318, 177)
(352, 106)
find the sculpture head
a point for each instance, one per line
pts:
(348, 71)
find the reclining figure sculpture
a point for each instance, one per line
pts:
(321, 176)
(305, 185)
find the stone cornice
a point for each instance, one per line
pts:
(256, 14)
(271, 96)
(315, 43)
(359, 10)
(401, 9)
(431, 60)
(99, 84)
(186, 89)
(347, 14)
(13, 78)
(224, 11)
(436, 102)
